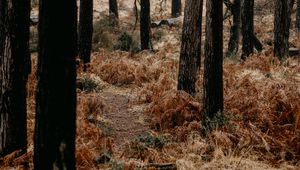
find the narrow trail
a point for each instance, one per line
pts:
(126, 119)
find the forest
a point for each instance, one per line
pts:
(149, 84)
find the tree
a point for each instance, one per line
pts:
(281, 27)
(54, 138)
(190, 53)
(85, 30)
(176, 8)
(213, 61)
(145, 24)
(113, 9)
(247, 28)
(14, 70)
(298, 16)
(235, 9)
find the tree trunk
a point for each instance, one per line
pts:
(113, 9)
(281, 28)
(247, 28)
(176, 8)
(55, 127)
(233, 44)
(213, 62)
(14, 70)
(145, 24)
(85, 30)
(298, 16)
(190, 53)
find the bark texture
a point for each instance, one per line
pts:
(298, 16)
(54, 138)
(213, 62)
(190, 53)
(145, 24)
(14, 69)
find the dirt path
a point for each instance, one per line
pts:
(125, 117)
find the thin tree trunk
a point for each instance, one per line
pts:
(85, 31)
(113, 9)
(213, 62)
(176, 8)
(281, 28)
(54, 138)
(298, 16)
(233, 44)
(14, 70)
(190, 53)
(145, 24)
(247, 28)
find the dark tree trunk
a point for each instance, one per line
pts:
(233, 44)
(145, 24)
(85, 30)
(176, 8)
(54, 140)
(247, 28)
(213, 62)
(281, 28)
(113, 9)
(298, 16)
(14, 69)
(190, 53)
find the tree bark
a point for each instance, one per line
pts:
(55, 127)
(190, 53)
(145, 24)
(247, 28)
(85, 31)
(14, 70)
(213, 62)
(176, 8)
(113, 9)
(281, 28)
(233, 44)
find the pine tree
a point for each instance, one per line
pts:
(247, 28)
(85, 31)
(14, 70)
(145, 24)
(54, 138)
(213, 61)
(190, 53)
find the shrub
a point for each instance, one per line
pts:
(125, 42)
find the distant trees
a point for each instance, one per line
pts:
(54, 138)
(176, 8)
(235, 8)
(113, 9)
(14, 69)
(281, 27)
(145, 24)
(213, 61)
(190, 53)
(85, 31)
(247, 28)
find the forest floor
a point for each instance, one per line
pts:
(130, 115)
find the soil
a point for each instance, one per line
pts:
(126, 118)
